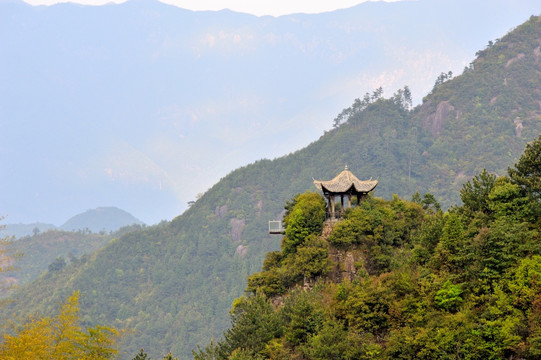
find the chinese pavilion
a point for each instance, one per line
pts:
(346, 185)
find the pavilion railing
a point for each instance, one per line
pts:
(329, 215)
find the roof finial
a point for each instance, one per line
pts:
(346, 167)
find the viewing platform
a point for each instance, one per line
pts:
(276, 227)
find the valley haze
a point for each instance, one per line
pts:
(144, 105)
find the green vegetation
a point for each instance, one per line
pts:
(53, 249)
(172, 284)
(464, 284)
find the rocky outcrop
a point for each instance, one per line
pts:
(344, 267)
(343, 260)
(220, 211)
(537, 53)
(259, 207)
(518, 126)
(241, 250)
(434, 121)
(516, 58)
(237, 226)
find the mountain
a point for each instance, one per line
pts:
(173, 283)
(144, 105)
(101, 219)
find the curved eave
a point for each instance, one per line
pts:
(363, 187)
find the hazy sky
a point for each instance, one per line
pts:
(256, 7)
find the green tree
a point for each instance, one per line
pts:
(58, 264)
(527, 172)
(366, 307)
(506, 200)
(253, 324)
(430, 203)
(330, 342)
(450, 250)
(306, 218)
(312, 258)
(304, 317)
(474, 193)
(169, 357)
(141, 355)
(448, 297)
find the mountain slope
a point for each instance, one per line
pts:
(483, 118)
(173, 283)
(41, 250)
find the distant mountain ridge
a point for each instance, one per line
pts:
(101, 219)
(144, 105)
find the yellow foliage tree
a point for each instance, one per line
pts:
(60, 338)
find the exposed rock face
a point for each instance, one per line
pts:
(460, 177)
(435, 121)
(518, 126)
(237, 225)
(537, 53)
(344, 264)
(241, 250)
(344, 261)
(349, 271)
(327, 228)
(220, 211)
(277, 301)
(516, 58)
(259, 207)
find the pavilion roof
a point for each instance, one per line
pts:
(344, 181)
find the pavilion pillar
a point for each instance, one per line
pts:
(329, 203)
(349, 201)
(332, 206)
(329, 206)
(342, 205)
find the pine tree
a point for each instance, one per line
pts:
(142, 355)
(527, 172)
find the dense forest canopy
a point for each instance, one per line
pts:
(425, 284)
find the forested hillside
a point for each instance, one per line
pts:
(173, 283)
(401, 279)
(53, 249)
